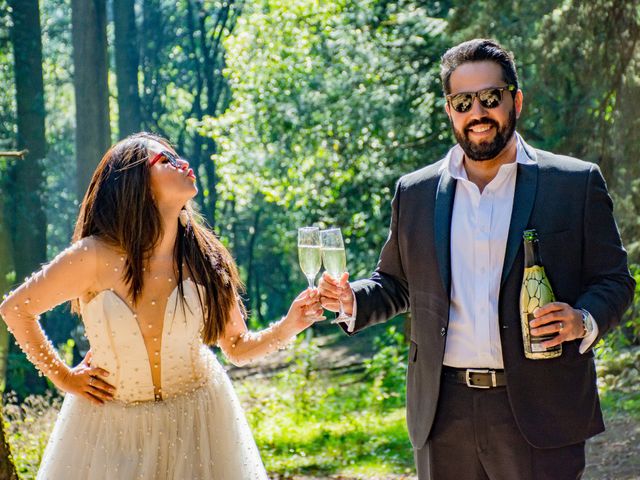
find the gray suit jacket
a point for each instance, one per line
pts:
(555, 401)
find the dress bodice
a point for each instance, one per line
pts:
(118, 345)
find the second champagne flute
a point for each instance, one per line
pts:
(335, 260)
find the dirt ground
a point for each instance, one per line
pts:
(612, 455)
(615, 454)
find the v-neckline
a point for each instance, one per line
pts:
(157, 389)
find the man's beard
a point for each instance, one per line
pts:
(486, 150)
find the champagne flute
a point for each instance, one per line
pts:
(309, 252)
(335, 261)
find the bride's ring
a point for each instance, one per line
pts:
(91, 381)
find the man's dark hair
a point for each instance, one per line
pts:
(478, 50)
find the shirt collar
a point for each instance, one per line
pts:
(453, 161)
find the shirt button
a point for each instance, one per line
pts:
(443, 331)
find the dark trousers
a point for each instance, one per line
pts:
(475, 437)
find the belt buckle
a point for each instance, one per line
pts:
(469, 371)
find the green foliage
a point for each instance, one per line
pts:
(628, 332)
(630, 324)
(329, 104)
(181, 62)
(27, 427)
(65, 350)
(618, 359)
(8, 127)
(171, 64)
(332, 101)
(22, 378)
(579, 69)
(61, 204)
(323, 106)
(618, 379)
(627, 209)
(387, 368)
(307, 420)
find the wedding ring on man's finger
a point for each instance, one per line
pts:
(561, 326)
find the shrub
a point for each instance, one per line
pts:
(28, 425)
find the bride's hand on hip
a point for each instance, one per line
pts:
(84, 380)
(305, 310)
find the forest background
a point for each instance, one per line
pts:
(292, 113)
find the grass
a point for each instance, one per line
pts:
(317, 433)
(364, 443)
(308, 421)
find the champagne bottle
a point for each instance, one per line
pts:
(536, 291)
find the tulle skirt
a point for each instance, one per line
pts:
(199, 435)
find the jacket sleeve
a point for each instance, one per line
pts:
(608, 285)
(385, 294)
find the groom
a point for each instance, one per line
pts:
(476, 407)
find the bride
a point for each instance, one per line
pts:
(154, 288)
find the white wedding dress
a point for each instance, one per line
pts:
(197, 431)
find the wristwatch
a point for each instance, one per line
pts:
(587, 323)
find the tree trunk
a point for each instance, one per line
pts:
(196, 110)
(127, 61)
(93, 133)
(214, 63)
(208, 65)
(151, 44)
(254, 287)
(7, 470)
(6, 266)
(27, 222)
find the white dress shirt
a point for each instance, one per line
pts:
(479, 230)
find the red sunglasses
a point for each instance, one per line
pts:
(173, 160)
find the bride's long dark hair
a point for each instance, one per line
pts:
(119, 209)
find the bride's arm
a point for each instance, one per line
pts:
(241, 346)
(66, 277)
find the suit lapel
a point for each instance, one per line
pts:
(523, 199)
(442, 226)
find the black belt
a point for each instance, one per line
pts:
(475, 377)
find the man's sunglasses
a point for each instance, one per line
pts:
(173, 160)
(488, 98)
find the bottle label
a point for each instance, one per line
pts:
(536, 342)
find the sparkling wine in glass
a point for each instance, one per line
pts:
(334, 260)
(309, 252)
